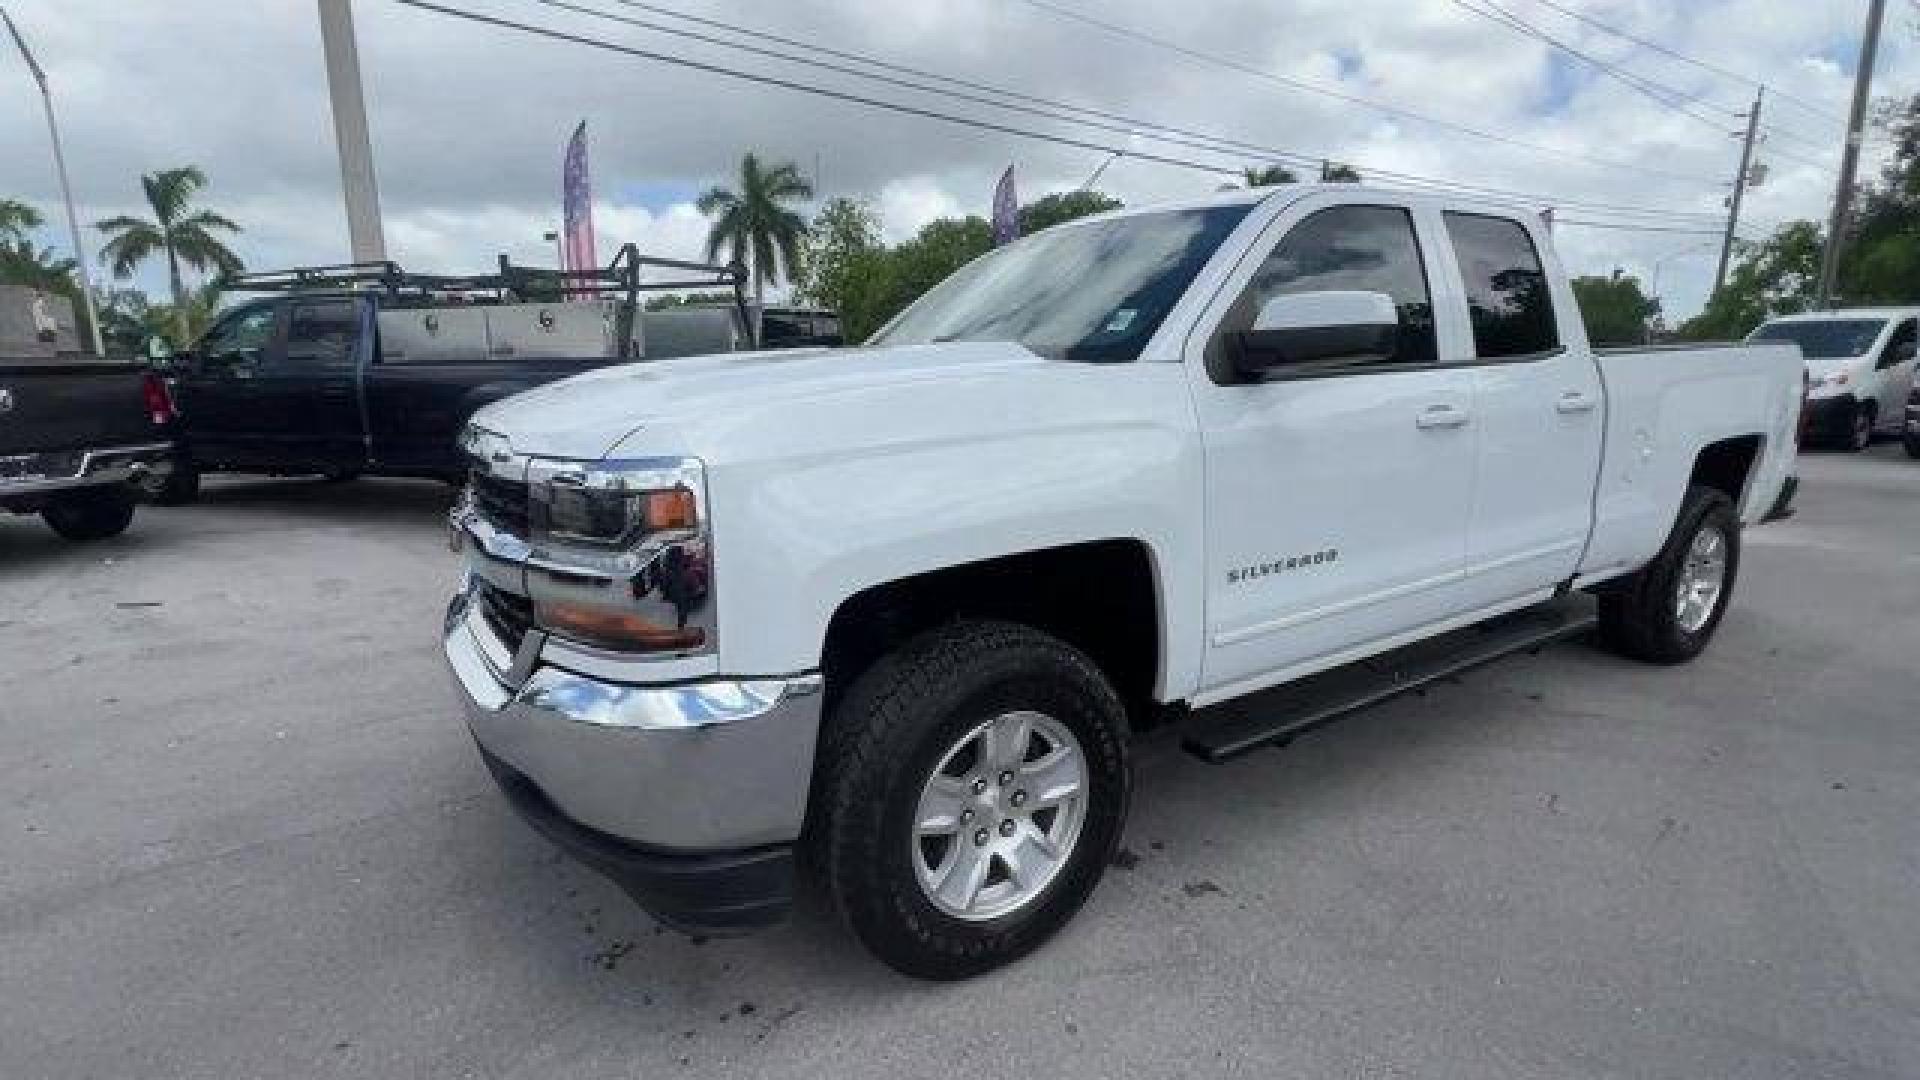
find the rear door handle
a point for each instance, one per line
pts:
(1574, 401)
(1441, 416)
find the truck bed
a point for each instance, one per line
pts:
(64, 405)
(1662, 403)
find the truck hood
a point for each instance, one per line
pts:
(586, 416)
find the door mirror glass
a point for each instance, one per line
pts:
(1331, 328)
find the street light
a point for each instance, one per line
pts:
(66, 189)
(552, 236)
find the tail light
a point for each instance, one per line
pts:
(159, 399)
(1806, 393)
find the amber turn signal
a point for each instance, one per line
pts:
(673, 508)
(615, 629)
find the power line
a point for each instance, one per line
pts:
(1672, 98)
(1685, 59)
(1352, 99)
(837, 95)
(1052, 109)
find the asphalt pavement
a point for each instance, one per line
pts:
(245, 835)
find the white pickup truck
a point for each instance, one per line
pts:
(1239, 465)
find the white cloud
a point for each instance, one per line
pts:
(468, 122)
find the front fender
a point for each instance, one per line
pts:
(803, 524)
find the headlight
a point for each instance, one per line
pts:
(620, 556)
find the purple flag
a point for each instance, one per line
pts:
(576, 197)
(1006, 210)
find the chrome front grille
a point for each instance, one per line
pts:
(507, 615)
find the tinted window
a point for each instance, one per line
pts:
(1507, 293)
(1824, 338)
(1092, 291)
(1364, 248)
(322, 333)
(242, 328)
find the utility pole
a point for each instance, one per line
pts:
(350, 131)
(1739, 189)
(66, 189)
(1850, 154)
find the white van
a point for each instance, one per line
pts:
(1860, 363)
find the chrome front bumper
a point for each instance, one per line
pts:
(713, 765)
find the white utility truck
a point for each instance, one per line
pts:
(1239, 465)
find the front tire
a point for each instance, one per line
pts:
(975, 782)
(1666, 613)
(90, 514)
(1860, 434)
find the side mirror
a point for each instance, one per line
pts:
(158, 348)
(1317, 327)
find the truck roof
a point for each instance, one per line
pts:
(1393, 196)
(1848, 313)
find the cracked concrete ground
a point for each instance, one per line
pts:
(246, 835)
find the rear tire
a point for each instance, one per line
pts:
(888, 759)
(90, 514)
(1913, 446)
(1662, 614)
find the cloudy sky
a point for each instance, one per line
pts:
(469, 120)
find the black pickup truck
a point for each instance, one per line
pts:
(341, 371)
(81, 440)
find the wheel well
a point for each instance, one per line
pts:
(1098, 597)
(1726, 464)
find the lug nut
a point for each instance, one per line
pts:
(1006, 778)
(1006, 826)
(980, 786)
(1019, 798)
(966, 815)
(980, 838)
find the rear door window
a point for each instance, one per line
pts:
(1508, 299)
(321, 334)
(1899, 348)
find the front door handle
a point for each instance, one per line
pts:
(1575, 401)
(1441, 416)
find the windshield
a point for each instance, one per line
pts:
(1824, 338)
(1092, 292)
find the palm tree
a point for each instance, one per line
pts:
(754, 224)
(1269, 175)
(17, 221)
(186, 236)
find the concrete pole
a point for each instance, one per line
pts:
(350, 131)
(66, 189)
(1739, 189)
(1850, 154)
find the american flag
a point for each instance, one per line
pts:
(577, 206)
(1006, 210)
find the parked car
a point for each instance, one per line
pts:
(1241, 465)
(1861, 361)
(82, 440)
(341, 371)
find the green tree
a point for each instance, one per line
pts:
(842, 266)
(665, 301)
(1338, 172)
(1051, 210)
(754, 224)
(1615, 309)
(1269, 175)
(1776, 277)
(178, 230)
